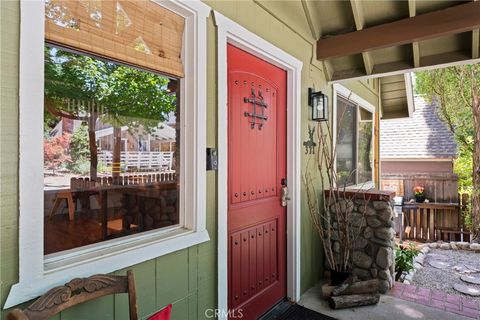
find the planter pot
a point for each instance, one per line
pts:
(420, 199)
(337, 277)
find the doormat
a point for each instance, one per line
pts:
(288, 311)
(296, 312)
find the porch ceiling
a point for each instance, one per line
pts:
(373, 38)
(396, 95)
(327, 20)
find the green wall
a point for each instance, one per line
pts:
(9, 42)
(186, 278)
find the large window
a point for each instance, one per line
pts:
(112, 136)
(354, 143)
(108, 111)
(104, 176)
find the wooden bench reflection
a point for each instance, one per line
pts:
(83, 188)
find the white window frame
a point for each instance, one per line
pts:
(38, 273)
(349, 95)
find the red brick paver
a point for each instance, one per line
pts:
(437, 299)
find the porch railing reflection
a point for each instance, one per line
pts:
(140, 159)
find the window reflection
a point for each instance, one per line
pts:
(346, 142)
(110, 150)
(354, 144)
(365, 147)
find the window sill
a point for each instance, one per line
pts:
(67, 259)
(362, 186)
(104, 258)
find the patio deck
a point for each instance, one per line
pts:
(396, 305)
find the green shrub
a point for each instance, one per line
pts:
(79, 144)
(404, 258)
(81, 166)
(103, 168)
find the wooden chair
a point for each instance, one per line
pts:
(78, 291)
(166, 161)
(68, 197)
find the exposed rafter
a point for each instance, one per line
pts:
(359, 18)
(416, 54)
(453, 20)
(475, 43)
(412, 8)
(308, 16)
(328, 68)
(412, 12)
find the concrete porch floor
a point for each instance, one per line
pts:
(388, 308)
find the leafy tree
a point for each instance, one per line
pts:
(463, 169)
(457, 91)
(55, 151)
(49, 122)
(79, 146)
(88, 89)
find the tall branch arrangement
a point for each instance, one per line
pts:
(331, 208)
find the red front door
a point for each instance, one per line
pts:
(256, 167)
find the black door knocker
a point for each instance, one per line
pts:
(254, 117)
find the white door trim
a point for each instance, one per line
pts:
(229, 32)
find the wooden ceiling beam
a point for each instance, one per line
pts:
(442, 60)
(359, 18)
(456, 19)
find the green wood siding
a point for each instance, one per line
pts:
(9, 43)
(186, 278)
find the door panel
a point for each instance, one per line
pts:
(256, 166)
(254, 254)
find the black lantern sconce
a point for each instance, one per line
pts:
(319, 103)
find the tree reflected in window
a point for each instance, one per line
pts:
(110, 149)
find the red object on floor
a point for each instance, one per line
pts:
(163, 314)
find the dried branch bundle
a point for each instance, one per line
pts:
(331, 208)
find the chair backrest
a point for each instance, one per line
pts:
(77, 291)
(166, 157)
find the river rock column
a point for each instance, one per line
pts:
(374, 247)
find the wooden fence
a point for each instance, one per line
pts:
(439, 188)
(442, 218)
(435, 221)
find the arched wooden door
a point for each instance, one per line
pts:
(256, 169)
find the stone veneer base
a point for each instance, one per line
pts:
(374, 248)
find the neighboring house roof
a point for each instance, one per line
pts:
(423, 135)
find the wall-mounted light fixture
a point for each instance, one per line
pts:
(319, 103)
